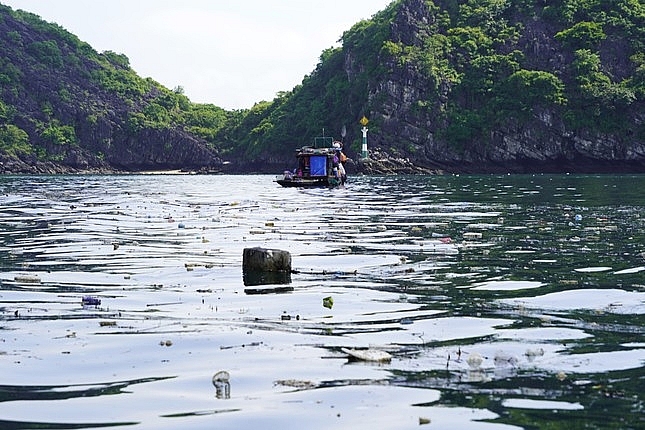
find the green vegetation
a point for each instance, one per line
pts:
(55, 91)
(470, 67)
(478, 69)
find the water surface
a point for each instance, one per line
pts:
(504, 301)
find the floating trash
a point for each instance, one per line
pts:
(107, 323)
(475, 360)
(90, 301)
(30, 279)
(592, 269)
(368, 354)
(328, 302)
(221, 382)
(472, 235)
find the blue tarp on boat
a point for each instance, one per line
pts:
(318, 165)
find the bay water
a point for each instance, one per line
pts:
(503, 302)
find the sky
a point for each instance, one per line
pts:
(231, 53)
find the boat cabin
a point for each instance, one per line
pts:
(317, 165)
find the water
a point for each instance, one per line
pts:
(504, 301)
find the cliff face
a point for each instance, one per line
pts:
(458, 86)
(415, 107)
(64, 107)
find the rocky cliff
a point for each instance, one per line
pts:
(447, 85)
(418, 105)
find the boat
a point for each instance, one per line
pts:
(320, 165)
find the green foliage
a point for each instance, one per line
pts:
(125, 83)
(583, 35)
(59, 134)
(10, 74)
(487, 13)
(117, 60)
(472, 62)
(15, 38)
(14, 141)
(464, 127)
(205, 120)
(484, 77)
(47, 53)
(469, 42)
(525, 89)
(637, 81)
(597, 102)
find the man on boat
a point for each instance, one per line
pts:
(339, 169)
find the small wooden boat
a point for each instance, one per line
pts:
(319, 165)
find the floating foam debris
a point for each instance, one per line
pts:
(30, 279)
(631, 270)
(368, 354)
(472, 235)
(505, 359)
(592, 269)
(475, 360)
(541, 404)
(507, 285)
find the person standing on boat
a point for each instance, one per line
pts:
(339, 169)
(339, 166)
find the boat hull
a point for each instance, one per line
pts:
(308, 183)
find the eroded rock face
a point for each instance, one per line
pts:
(411, 120)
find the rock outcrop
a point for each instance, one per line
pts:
(408, 109)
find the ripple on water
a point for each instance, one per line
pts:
(474, 285)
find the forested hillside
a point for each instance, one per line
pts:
(456, 85)
(479, 86)
(65, 107)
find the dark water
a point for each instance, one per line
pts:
(504, 302)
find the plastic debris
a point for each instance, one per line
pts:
(475, 360)
(328, 302)
(90, 301)
(30, 279)
(222, 384)
(368, 354)
(472, 235)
